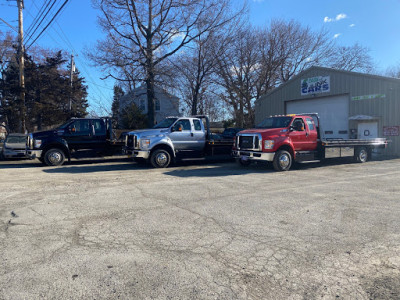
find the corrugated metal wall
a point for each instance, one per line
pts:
(386, 109)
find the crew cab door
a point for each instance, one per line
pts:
(312, 136)
(199, 135)
(78, 134)
(183, 140)
(99, 132)
(299, 135)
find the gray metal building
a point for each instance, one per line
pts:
(350, 105)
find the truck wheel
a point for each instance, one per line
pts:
(160, 158)
(54, 157)
(361, 155)
(282, 161)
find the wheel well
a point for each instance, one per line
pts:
(59, 146)
(288, 149)
(164, 147)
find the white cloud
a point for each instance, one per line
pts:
(340, 17)
(352, 25)
(337, 35)
(337, 18)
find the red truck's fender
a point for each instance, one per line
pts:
(283, 143)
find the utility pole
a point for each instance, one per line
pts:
(21, 52)
(72, 74)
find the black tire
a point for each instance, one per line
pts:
(160, 158)
(54, 157)
(361, 155)
(244, 163)
(282, 161)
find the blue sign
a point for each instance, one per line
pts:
(315, 85)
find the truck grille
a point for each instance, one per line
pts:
(132, 142)
(249, 142)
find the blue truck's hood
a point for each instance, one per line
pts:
(47, 133)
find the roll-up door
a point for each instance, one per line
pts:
(333, 112)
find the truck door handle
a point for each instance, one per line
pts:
(306, 133)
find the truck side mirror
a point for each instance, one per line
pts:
(291, 128)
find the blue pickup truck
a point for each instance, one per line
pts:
(76, 137)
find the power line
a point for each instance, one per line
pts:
(38, 16)
(44, 17)
(97, 91)
(9, 25)
(58, 11)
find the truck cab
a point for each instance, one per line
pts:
(52, 147)
(175, 138)
(291, 134)
(284, 139)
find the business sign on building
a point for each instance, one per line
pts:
(315, 85)
(391, 130)
(368, 97)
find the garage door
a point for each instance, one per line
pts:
(333, 113)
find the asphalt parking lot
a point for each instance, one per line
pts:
(112, 229)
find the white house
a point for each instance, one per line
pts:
(165, 103)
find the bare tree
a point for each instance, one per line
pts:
(299, 47)
(7, 51)
(194, 72)
(351, 58)
(237, 74)
(393, 71)
(259, 59)
(143, 34)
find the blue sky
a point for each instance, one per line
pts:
(372, 23)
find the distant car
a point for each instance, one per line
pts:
(14, 146)
(231, 132)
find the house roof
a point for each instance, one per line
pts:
(324, 69)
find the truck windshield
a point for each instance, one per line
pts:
(275, 122)
(64, 125)
(166, 123)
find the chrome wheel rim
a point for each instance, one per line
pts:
(161, 159)
(363, 155)
(55, 157)
(284, 161)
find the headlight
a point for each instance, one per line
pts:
(144, 143)
(268, 144)
(37, 143)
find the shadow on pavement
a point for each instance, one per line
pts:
(218, 170)
(19, 163)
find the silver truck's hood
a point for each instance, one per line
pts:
(149, 132)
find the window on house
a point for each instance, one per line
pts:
(142, 105)
(157, 105)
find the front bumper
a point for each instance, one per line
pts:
(137, 153)
(12, 153)
(34, 153)
(253, 155)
